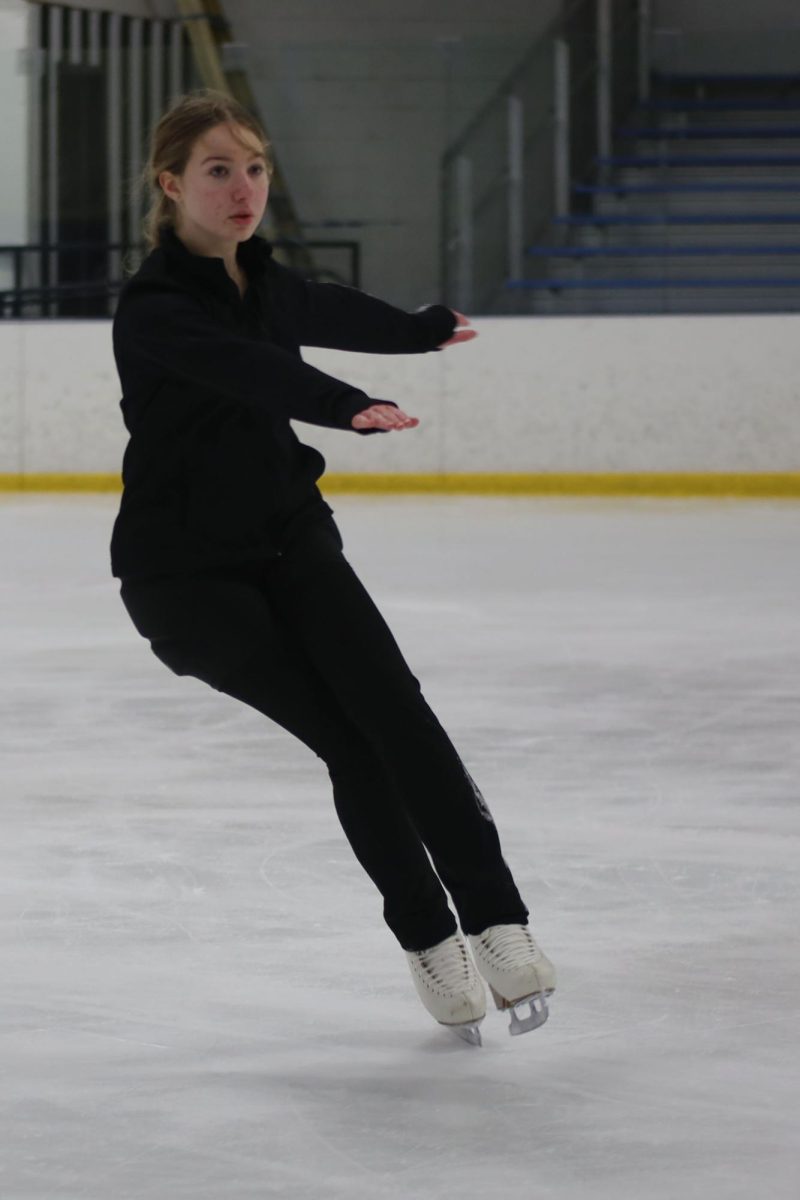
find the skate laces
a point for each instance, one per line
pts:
(447, 965)
(509, 945)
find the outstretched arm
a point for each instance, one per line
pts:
(338, 317)
(384, 418)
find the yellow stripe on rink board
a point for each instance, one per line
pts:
(652, 484)
(483, 484)
(60, 483)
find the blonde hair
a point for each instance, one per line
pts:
(171, 143)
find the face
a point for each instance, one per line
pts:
(222, 179)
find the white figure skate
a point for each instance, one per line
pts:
(517, 973)
(450, 987)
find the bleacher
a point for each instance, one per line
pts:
(697, 209)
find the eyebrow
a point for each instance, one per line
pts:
(227, 158)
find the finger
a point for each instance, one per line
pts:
(387, 417)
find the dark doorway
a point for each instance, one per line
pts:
(82, 189)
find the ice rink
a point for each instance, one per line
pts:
(200, 999)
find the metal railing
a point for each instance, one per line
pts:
(514, 166)
(34, 295)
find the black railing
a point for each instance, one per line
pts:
(95, 297)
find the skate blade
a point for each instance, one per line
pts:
(468, 1032)
(539, 1011)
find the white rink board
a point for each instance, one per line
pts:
(574, 394)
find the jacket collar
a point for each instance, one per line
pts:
(252, 255)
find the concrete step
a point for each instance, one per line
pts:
(663, 172)
(620, 304)
(683, 114)
(723, 188)
(705, 85)
(676, 235)
(754, 273)
(656, 280)
(714, 151)
(692, 203)
(754, 134)
(718, 219)
(712, 110)
(745, 253)
(668, 300)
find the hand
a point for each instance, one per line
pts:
(383, 416)
(466, 336)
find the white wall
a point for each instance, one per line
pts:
(14, 107)
(594, 394)
(732, 14)
(756, 36)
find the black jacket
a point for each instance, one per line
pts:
(214, 474)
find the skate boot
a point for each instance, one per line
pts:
(450, 987)
(517, 972)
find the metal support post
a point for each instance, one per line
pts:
(132, 202)
(561, 165)
(114, 106)
(464, 233)
(515, 198)
(54, 57)
(645, 21)
(604, 77)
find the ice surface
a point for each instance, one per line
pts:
(199, 996)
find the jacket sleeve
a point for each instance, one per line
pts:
(345, 318)
(174, 333)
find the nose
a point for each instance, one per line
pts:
(243, 187)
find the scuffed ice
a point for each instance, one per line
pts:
(200, 999)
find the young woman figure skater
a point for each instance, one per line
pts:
(232, 565)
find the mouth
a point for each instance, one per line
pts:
(242, 216)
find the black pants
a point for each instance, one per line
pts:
(299, 639)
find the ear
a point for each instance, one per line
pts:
(168, 185)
